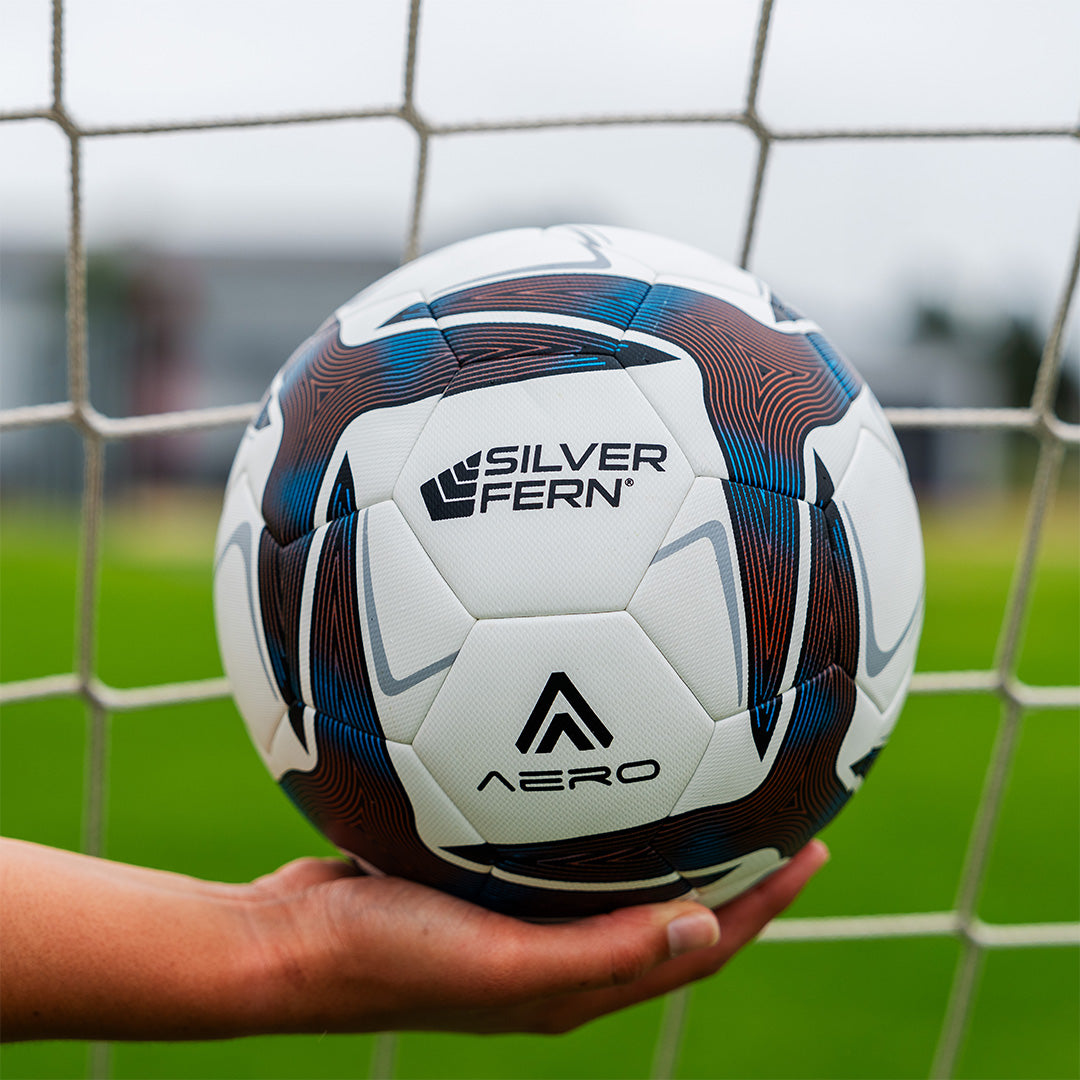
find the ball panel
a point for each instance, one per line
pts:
(799, 796)
(738, 760)
(608, 300)
(690, 601)
(527, 898)
(238, 615)
(341, 685)
(447, 268)
(882, 523)
(325, 387)
(367, 458)
(764, 390)
(439, 823)
(670, 257)
(819, 613)
(360, 322)
(531, 500)
(829, 448)
(608, 862)
(413, 625)
(355, 796)
(869, 731)
(539, 735)
(672, 383)
(769, 533)
(294, 745)
(507, 254)
(259, 445)
(740, 875)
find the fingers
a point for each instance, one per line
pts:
(739, 921)
(747, 915)
(606, 950)
(676, 942)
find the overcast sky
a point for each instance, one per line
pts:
(845, 228)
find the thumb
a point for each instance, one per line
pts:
(613, 949)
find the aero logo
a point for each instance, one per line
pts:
(562, 723)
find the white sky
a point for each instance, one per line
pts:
(844, 227)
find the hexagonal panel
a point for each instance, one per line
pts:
(558, 727)
(543, 496)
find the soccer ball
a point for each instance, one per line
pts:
(564, 569)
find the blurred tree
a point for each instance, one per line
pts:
(1017, 351)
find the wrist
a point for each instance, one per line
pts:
(275, 981)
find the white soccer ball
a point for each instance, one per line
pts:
(568, 568)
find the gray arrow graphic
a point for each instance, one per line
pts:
(876, 657)
(713, 531)
(388, 683)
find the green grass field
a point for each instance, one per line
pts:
(187, 792)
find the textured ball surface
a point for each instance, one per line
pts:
(566, 569)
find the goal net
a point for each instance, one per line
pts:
(1037, 419)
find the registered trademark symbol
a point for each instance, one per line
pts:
(629, 481)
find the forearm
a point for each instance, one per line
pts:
(93, 949)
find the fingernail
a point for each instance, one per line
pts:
(821, 851)
(698, 930)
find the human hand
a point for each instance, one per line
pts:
(100, 950)
(352, 953)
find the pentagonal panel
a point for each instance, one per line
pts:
(554, 728)
(413, 623)
(543, 496)
(690, 601)
(881, 521)
(238, 614)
